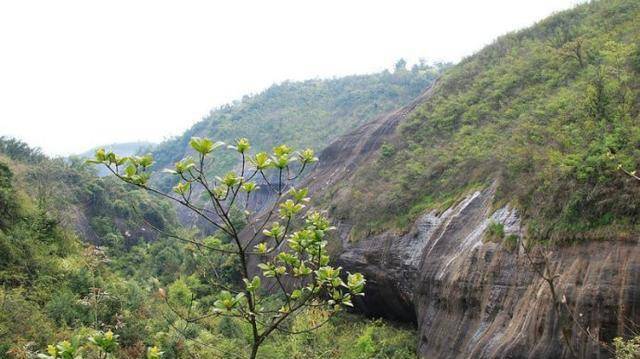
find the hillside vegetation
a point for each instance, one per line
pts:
(547, 113)
(80, 259)
(322, 110)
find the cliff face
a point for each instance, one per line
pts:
(476, 299)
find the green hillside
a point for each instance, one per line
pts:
(302, 114)
(548, 112)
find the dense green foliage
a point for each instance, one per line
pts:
(321, 110)
(627, 349)
(53, 284)
(292, 255)
(546, 113)
(58, 290)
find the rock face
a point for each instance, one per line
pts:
(475, 299)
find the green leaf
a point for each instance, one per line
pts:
(203, 145)
(249, 187)
(355, 283)
(301, 271)
(276, 230)
(242, 145)
(252, 285)
(212, 241)
(226, 301)
(101, 155)
(230, 179)
(282, 150)
(281, 162)
(300, 194)
(264, 266)
(281, 270)
(324, 260)
(154, 353)
(308, 156)
(289, 208)
(288, 258)
(261, 248)
(130, 170)
(261, 160)
(146, 161)
(185, 165)
(182, 188)
(318, 221)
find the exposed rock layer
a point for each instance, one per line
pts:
(472, 298)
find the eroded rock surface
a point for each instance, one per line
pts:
(476, 299)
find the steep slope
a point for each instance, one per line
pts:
(549, 112)
(526, 135)
(98, 209)
(303, 114)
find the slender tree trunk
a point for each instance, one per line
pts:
(254, 350)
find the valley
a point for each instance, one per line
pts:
(483, 209)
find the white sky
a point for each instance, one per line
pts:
(77, 74)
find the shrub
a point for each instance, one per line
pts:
(284, 254)
(494, 232)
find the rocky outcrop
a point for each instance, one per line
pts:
(476, 299)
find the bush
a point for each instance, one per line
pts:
(627, 349)
(494, 232)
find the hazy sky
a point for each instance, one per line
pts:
(76, 74)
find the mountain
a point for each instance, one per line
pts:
(303, 114)
(507, 166)
(485, 203)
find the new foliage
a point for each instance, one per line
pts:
(288, 238)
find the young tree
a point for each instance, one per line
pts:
(401, 65)
(296, 262)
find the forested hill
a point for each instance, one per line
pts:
(547, 114)
(308, 113)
